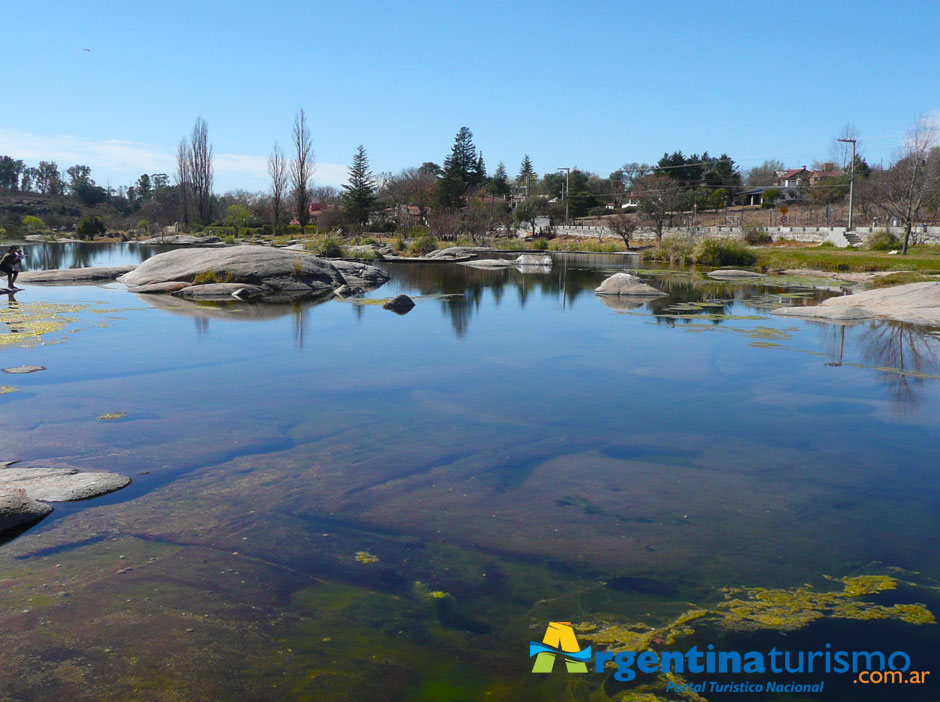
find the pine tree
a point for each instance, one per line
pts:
(525, 170)
(460, 171)
(360, 190)
(499, 183)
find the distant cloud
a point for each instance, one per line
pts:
(125, 160)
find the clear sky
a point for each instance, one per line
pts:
(591, 84)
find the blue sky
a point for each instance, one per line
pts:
(592, 85)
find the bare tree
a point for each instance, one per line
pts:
(183, 179)
(277, 169)
(624, 226)
(910, 185)
(411, 186)
(301, 168)
(658, 196)
(200, 170)
(840, 152)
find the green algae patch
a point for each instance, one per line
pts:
(366, 557)
(4, 389)
(111, 416)
(29, 324)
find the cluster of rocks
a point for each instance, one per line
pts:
(184, 240)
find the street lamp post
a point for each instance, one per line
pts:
(567, 173)
(851, 182)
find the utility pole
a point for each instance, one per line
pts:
(565, 194)
(851, 182)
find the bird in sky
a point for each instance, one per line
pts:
(88, 50)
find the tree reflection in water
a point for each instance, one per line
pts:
(905, 356)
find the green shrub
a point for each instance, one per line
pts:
(230, 239)
(884, 241)
(540, 244)
(89, 227)
(330, 247)
(33, 224)
(211, 277)
(400, 243)
(755, 235)
(423, 245)
(723, 252)
(674, 249)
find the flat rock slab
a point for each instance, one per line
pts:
(489, 263)
(19, 370)
(17, 509)
(182, 240)
(915, 303)
(74, 275)
(220, 291)
(627, 284)
(459, 251)
(157, 288)
(733, 274)
(60, 484)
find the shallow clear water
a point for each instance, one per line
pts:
(512, 441)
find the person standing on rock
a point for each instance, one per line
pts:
(8, 263)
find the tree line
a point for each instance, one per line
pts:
(459, 197)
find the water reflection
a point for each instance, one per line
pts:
(48, 256)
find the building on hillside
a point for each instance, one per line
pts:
(794, 178)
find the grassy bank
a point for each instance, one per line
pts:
(923, 259)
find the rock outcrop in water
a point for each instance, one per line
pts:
(627, 284)
(400, 304)
(525, 261)
(24, 491)
(16, 510)
(916, 303)
(74, 275)
(276, 272)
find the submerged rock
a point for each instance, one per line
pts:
(74, 275)
(733, 274)
(18, 370)
(915, 303)
(400, 304)
(277, 272)
(17, 509)
(60, 484)
(627, 284)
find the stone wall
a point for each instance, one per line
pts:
(816, 235)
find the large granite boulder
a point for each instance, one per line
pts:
(17, 509)
(540, 260)
(627, 284)
(278, 272)
(915, 303)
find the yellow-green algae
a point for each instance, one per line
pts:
(749, 609)
(28, 324)
(4, 389)
(111, 416)
(366, 557)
